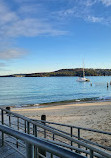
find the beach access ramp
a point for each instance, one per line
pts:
(23, 137)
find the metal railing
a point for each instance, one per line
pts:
(33, 145)
(51, 134)
(78, 132)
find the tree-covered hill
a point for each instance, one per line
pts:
(67, 72)
(73, 72)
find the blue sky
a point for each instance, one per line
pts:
(47, 35)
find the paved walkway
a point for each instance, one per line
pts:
(8, 152)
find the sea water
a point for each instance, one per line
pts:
(16, 91)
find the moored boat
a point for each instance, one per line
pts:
(83, 79)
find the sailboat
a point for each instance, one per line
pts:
(83, 79)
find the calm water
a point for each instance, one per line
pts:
(35, 90)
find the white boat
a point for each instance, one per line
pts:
(83, 79)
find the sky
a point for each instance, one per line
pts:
(48, 35)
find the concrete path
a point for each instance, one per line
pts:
(8, 152)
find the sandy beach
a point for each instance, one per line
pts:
(96, 115)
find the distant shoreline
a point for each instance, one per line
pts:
(66, 72)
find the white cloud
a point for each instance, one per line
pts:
(30, 10)
(34, 19)
(81, 13)
(87, 11)
(6, 16)
(29, 28)
(21, 23)
(106, 2)
(15, 24)
(94, 19)
(8, 54)
(88, 3)
(92, 2)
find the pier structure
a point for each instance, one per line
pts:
(23, 137)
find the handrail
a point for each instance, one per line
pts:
(40, 143)
(91, 148)
(77, 127)
(70, 126)
(85, 140)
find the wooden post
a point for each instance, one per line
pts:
(107, 85)
(7, 108)
(43, 117)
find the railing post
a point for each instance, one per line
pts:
(29, 151)
(78, 139)
(86, 153)
(35, 134)
(25, 126)
(29, 147)
(18, 130)
(53, 137)
(28, 127)
(78, 136)
(41, 151)
(2, 117)
(91, 153)
(71, 135)
(33, 129)
(2, 121)
(9, 120)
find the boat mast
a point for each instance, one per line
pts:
(83, 70)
